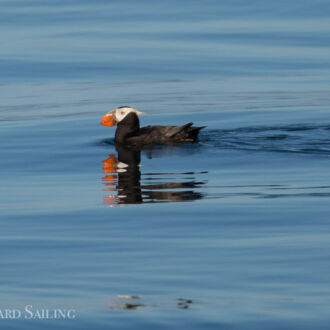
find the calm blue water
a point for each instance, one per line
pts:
(232, 232)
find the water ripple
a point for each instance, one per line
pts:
(304, 139)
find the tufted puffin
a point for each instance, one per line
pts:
(128, 130)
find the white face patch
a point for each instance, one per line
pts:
(122, 112)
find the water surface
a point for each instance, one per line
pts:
(231, 232)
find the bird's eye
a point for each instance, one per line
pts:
(122, 113)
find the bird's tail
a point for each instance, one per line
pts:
(186, 132)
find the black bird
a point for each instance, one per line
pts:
(128, 130)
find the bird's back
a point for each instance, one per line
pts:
(164, 134)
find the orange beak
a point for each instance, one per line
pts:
(109, 119)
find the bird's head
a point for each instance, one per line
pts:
(115, 116)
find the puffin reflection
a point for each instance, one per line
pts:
(123, 181)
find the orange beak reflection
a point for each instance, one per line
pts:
(109, 119)
(110, 164)
(110, 180)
